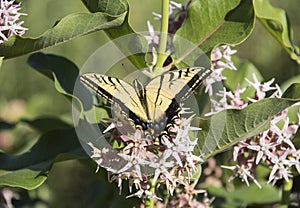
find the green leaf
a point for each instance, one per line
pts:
(276, 22)
(115, 7)
(245, 71)
(29, 170)
(229, 126)
(132, 44)
(57, 68)
(4, 125)
(293, 92)
(65, 75)
(24, 178)
(289, 82)
(68, 28)
(44, 124)
(247, 195)
(215, 22)
(41, 124)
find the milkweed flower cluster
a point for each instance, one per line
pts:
(273, 147)
(221, 59)
(9, 20)
(165, 162)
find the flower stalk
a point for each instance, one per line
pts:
(163, 36)
(150, 201)
(287, 188)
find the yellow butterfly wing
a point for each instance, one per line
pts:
(167, 91)
(157, 102)
(116, 91)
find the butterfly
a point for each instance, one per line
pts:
(153, 105)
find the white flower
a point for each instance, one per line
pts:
(161, 167)
(146, 193)
(281, 168)
(9, 16)
(242, 172)
(133, 161)
(152, 38)
(263, 148)
(295, 159)
(221, 58)
(260, 88)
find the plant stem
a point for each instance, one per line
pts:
(287, 187)
(150, 201)
(163, 35)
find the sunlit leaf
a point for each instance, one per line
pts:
(133, 45)
(68, 28)
(24, 178)
(215, 22)
(230, 126)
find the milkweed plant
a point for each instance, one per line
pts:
(237, 145)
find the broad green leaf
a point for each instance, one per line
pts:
(41, 124)
(229, 126)
(276, 22)
(68, 28)
(44, 124)
(215, 22)
(63, 72)
(115, 7)
(130, 43)
(24, 178)
(29, 170)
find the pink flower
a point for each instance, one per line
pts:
(260, 88)
(9, 20)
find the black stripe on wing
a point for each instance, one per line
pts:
(193, 83)
(186, 90)
(95, 86)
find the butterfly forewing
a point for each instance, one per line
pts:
(165, 92)
(116, 91)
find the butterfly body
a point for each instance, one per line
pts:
(152, 105)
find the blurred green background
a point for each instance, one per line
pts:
(26, 93)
